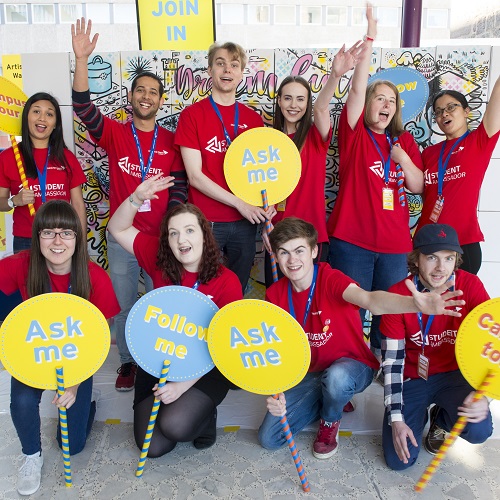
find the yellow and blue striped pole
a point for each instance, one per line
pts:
(152, 420)
(63, 423)
(20, 168)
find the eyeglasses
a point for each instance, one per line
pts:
(50, 235)
(450, 108)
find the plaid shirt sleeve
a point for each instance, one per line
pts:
(393, 360)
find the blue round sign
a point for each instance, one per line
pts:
(171, 323)
(412, 86)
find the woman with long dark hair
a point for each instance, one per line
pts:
(52, 171)
(310, 128)
(57, 262)
(451, 193)
(186, 254)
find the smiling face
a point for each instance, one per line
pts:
(41, 123)
(293, 100)
(226, 73)
(454, 121)
(58, 252)
(436, 268)
(295, 258)
(381, 108)
(146, 99)
(185, 238)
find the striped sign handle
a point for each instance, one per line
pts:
(63, 424)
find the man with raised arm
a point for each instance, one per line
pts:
(137, 150)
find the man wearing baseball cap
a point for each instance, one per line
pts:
(418, 353)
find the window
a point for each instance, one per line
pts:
(98, 12)
(69, 12)
(336, 15)
(16, 13)
(284, 14)
(359, 16)
(258, 14)
(43, 14)
(310, 15)
(388, 16)
(124, 13)
(437, 18)
(232, 14)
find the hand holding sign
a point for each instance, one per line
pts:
(263, 349)
(477, 350)
(166, 333)
(47, 332)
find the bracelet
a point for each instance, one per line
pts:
(131, 199)
(368, 38)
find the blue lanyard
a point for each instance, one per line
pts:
(196, 285)
(42, 177)
(425, 331)
(309, 298)
(145, 169)
(386, 162)
(442, 166)
(236, 119)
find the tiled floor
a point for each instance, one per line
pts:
(237, 467)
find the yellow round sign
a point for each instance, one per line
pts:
(258, 346)
(478, 346)
(262, 158)
(52, 330)
(12, 101)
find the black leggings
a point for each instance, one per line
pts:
(181, 421)
(472, 257)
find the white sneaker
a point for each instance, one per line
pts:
(30, 474)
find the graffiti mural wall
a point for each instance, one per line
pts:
(186, 81)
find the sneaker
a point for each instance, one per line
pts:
(326, 443)
(96, 395)
(126, 377)
(349, 407)
(436, 436)
(209, 435)
(30, 474)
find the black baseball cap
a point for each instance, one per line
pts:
(435, 237)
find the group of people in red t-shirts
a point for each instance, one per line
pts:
(332, 271)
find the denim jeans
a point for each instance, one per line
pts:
(25, 413)
(19, 243)
(448, 390)
(372, 271)
(237, 242)
(320, 394)
(124, 272)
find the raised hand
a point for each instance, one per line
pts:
(83, 46)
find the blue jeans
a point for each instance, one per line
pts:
(124, 272)
(448, 390)
(19, 243)
(25, 413)
(320, 394)
(237, 242)
(372, 271)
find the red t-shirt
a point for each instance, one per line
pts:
(440, 342)
(462, 182)
(125, 170)
(333, 326)
(199, 128)
(307, 200)
(222, 289)
(14, 273)
(358, 216)
(59, 183)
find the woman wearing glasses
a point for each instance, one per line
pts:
(58, 262)
(52, 171)
(455, 169)
(369, 226)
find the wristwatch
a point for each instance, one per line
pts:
(10, 201)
